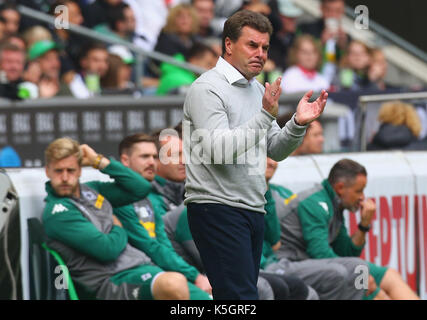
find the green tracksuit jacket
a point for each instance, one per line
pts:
(81, 230)
(274, 197)
(146, 231)
(312, 226)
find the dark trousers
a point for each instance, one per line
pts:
(229, 241)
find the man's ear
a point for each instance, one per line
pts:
(46, 171)
(339, 188)
(228, 46)
(124, 159)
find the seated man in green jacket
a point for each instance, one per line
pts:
(143, 220)
(80, 225)
(312, 227)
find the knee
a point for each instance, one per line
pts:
(171, 286)
(391, 278)
(337, 274)
(265, 292)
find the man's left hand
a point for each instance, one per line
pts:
(309, 111)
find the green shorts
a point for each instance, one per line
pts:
(141, 276)
(377, 272)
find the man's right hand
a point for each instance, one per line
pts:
(367, 210)
(89, 157)
(203, 283)
(270, 100)
(117, 222)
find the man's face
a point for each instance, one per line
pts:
(249, 53)
(174, 170)
(142, 158)
(289, 25)
(74, 13)
(307, 55)
(184, 22)
(313, 140)
(205, 12)
(333, 9)
(270, 169)
(12, 18)
(50, 64)
(358, 56)
(114, 2)
(351, 194)
(64, 176)
(97, 62)
(207, 61)
(129, 20)
(13, 63)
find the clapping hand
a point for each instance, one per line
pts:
(309, 111)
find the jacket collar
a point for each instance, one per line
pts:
(232, 75)
(331, 193)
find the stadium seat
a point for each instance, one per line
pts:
(45, 283)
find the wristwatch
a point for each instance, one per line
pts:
(363, 228)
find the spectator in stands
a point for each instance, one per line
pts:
(282, 39)
(180, 32)
(378, 70)
(16, 40)
(118, 77)
(176, 80)
(313, 139)
(97, 12)
(143, 222)
(35, 34)
(121, 23)
(328, 29)
(305, 59)
(12, 63)
(313, 227)
(45, 54)
(100, 260)
(256, 6)
(150, 18)
(354, 67)
(9, 12)
(69, 41)
(93, 66)
(400, 126)
(2, 28)
(205, 11)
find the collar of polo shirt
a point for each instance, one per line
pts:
(232, 75)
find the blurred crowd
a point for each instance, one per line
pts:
(40, 60)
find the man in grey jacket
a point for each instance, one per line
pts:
(228, 131)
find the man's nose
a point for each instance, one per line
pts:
(64, 176)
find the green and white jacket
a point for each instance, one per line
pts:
(312, 226)
(81, 230)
